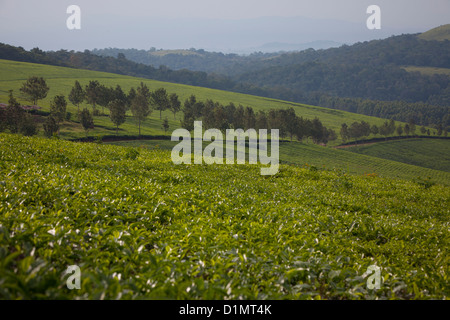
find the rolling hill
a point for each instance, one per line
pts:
(140, 227)
(364, 73)
(440, 33)
(433, 154)
(61, 80)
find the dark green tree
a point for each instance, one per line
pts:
(220, 118)
(140, 108)
(188, 113)
(93, 94)
(289, 119)
(355, 130)
(249, 118)
(77, 95)
(384, 129)
(230, 110)
(345, 135)
(118, 94)
(374, 129)
(261, 120)
(165, 125)
(407, 129)
(58, 108)
(28, 126)
(14, 114)
(144, 91)
(130, 97)
(51, 126)
(439, 129)
(86, 120)
(391, 126)
(35, 88)
(412, 126)
(317, 132)
(175, 104)
(160, 99)
(331, 135)
(106, 95)
(118, 111)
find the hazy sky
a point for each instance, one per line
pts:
(143, 23)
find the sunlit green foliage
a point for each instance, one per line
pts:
(141, 227)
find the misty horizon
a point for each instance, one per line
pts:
(234, 27)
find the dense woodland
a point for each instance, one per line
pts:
(365, 78)
(397, 50)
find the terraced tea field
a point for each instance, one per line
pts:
(139, 226)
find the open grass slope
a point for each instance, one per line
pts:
(60, 80)
(440, 33)
(363, 163)
(429, 71)
(434, 154)
(139, 226)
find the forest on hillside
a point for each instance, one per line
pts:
(366, 78)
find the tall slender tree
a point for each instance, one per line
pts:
(58, 108)
(140, 108)
(165, 125)
(86, 120)
(14, 114)
(118, 111)
(161, 100)
(93, 93)
(77, 95)
(175, 104)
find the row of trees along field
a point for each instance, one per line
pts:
(215, 115)
(141, 102)
(358, 130)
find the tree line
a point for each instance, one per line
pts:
(141, 102)
(215, 115)
(358, 130)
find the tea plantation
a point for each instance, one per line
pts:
(140, 227)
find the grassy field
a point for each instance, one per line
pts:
(429, 71)
(310, 155)
(61, 80)
(440, 33)
(428, 153)
(140, 227)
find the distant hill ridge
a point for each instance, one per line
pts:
(343, 78)
(440, 33)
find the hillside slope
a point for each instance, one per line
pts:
(62, 79)
(440, 33)
(415, 166)
(140, 227)
(433, 154)
(369, 70)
